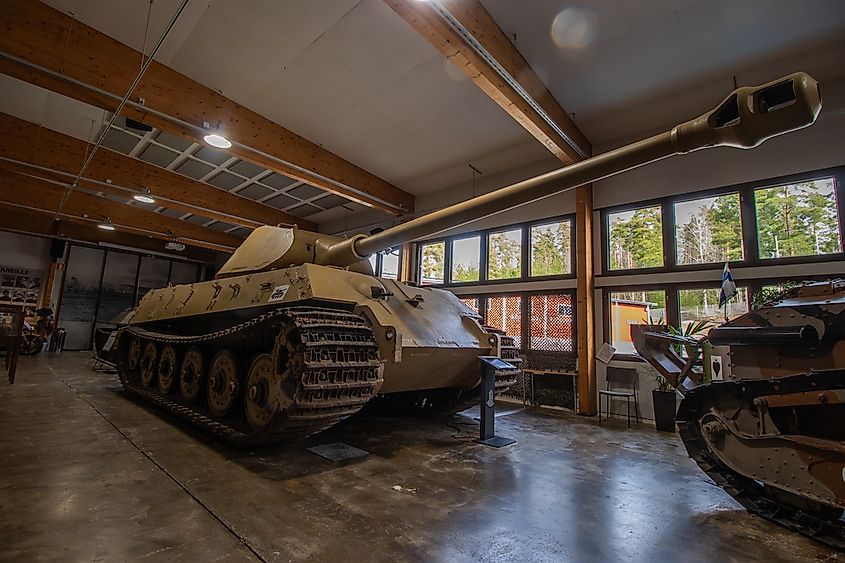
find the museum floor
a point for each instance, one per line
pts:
(90, 474)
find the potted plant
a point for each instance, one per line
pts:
(664, 397)
(665, 404)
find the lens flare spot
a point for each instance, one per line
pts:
(574, 28)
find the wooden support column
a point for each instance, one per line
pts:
(585, 298)
(406, 259)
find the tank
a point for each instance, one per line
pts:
(296, 333)
(764, 414)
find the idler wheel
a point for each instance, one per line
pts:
(149, 363)
(167, 370)
(222, 383)
(133, 359)
(261, 400)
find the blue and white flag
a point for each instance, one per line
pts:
(728, 286)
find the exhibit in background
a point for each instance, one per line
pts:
(20, 286)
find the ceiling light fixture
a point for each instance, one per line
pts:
(214, 137)
(144, 197)
(107, 226)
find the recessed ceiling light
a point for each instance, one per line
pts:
(107, 226)
(144, 197)
(218, 141)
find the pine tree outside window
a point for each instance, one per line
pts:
(708, 230)
(432, 263)
(504, 255)
(635, 239)
(797, 219)
(551, 249)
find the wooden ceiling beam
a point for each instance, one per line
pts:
(38, 223)
(50, 197)
(32, 144)
(47, 47)
(433, 20)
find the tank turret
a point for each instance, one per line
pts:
(295, 333)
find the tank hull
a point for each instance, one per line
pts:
(427, 338)
(278, 355)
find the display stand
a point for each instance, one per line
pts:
(11, 331)
(490, 366)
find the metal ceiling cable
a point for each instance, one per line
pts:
(134, 85)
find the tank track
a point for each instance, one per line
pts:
(751, 494)
(334, 370)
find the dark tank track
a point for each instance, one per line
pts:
(824, 524)
(280, 376)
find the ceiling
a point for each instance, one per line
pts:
(625, 67)
(353, 77)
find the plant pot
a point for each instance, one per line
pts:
(665, 405)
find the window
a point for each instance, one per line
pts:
(466, 259)
(551, 249)
(390, 265)
(635, 239)
(505, 313)
(552, 326)
(504, 255)
(373, 259)
(703, 305)
(432, 261)
(633, 307)
(797, 219)
(708, 230)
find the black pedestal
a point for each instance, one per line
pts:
(489, 366)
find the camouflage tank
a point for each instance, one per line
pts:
(764, 415)
(295, 333)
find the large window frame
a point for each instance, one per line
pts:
(748, 218)
(673, 305)
(525, 253)
(525, 313)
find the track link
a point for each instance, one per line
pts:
(751, 494)
(327, 361)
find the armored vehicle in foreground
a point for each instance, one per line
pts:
(295, 333)
(769, 425)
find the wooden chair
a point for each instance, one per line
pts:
(626, 378)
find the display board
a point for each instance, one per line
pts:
(20, 286)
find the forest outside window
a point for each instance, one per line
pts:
(633, 307)
(797, 219)
(635, 239)
(466, 259)
(708, 230)
(504, 255)
(551, 246)
(432, 263)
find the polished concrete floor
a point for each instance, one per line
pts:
(89, 474)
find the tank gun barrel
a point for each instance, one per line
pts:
(746, 118)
